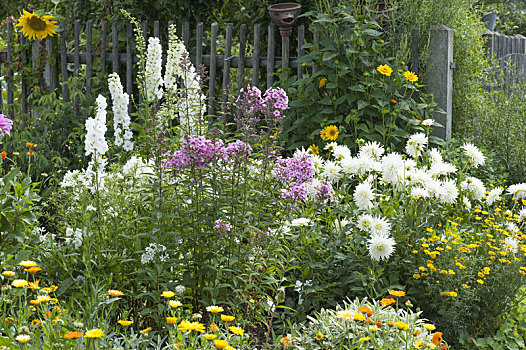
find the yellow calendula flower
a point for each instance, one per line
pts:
(210, 336)
(168, 294)
(410, 76)
(429, 327)
(323, 81)
(23, 338)
(124, 323)
(50, 289)
(385, 70)
(401, 325)
(115, 293)
(19, 283)
(319, 336)
(175, 303)
(358, 317)
(397, 293)
(8, 273)
(480, 281)
(27, 263)
(451, 294)
(94, 333)
(227, 318)
(416, 276)
(35, 26)
(220, 344)
(236, 330)
(365, 339)
(329, 133)
(214, 309)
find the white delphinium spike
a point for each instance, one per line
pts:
(121, 119)
(173, 68)
(153, 68)
(95, 142)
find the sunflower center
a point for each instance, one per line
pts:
(36, 23)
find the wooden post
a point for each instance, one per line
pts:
(301, 51)
(213, 68)
(199, 45)
(10, 97)
(129, 58)
(115, 44)
(270, 55)
(24, 84)
(255, 55)
(227, 59)
(77, 62)
(103, 40)
(89, 57)
(440, 78)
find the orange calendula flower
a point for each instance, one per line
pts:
(33, 269)
(213, 327)
(146, 330)
(3, 154)
(30, 144)
(323, 81)
(73, 335)
(171, 320)
(115, 293)
(387, 301)
(437, 338)
(385, 70)
(34, 302)
(227, 318)
(397, 293)
(366, 310)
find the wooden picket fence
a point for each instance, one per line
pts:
(108, 51)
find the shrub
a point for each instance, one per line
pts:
(367, 325)
(357, 85)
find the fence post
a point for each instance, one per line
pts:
(440, 77)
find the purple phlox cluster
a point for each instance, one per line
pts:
(295, 172)
(222, 227)
(276, 102)
(237, 151)
(249, 101)
(6, 125)
(324, 191)
(196, 152)
(262, 236)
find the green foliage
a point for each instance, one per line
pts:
(346, 89)
(511, 15)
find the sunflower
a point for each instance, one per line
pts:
(329, 133)
(410, 76)
(35, 26)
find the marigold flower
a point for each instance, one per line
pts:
(19, 283)
(385, 70)
(437, 338)
(94, 333)
(329, 132)
(236, 330)
(115, 293)
(124, 323)
(214, 309)
(27, 263)
(220, 344)
(73, 335)
(397, 293)
(171, 320)
(227, 318)
(8, 273)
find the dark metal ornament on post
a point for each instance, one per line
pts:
(284, 16)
